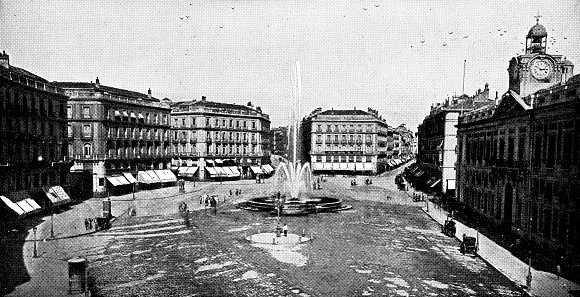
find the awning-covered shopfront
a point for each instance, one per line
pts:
(146, 178)
(130, 177)
(235, 171)
(21, 203)
(166, 176)
(228, 172)
(435, 183)
(212, 171)
(118, 180)
(256, 170)
(57, 195)
(187, 171)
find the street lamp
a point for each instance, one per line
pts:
(35, 254)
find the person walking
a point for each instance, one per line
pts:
(285, 230)
(86, 224)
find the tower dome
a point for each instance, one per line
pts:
(537, 31)
(537, 38)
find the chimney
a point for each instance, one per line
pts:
(202, 98)
(5, 60)
(97, 83)
(149, 93)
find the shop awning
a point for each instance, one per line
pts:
(256, 169)
(133, 115)
(265, 169)
(219, 161)
(166, 175)
(228, 171)
(21, 203)
(270, 168)
(148, 177)
(187, 171)
(391, 163)
(57, 195)
(118, 180)
(125, 114)
(129, 177)
(235, 171)
(210, 162)
(153, 176)
(435, 183)
(220, 171)
(140, 116)
(211, 171)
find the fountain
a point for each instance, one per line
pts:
(293, 194)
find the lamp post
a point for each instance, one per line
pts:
(51, 222)
(35, 254)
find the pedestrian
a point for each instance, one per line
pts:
(90, 223)
(285, 230)
(86, 224)
(230, 192)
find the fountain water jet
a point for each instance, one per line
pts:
(293, 195)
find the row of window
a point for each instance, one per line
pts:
(231, 149)
(15, 151)
(34, 104)
(554, 143)
(23, 180)
(344, 128)
(343, 159)
(31, 127)
(217, 123)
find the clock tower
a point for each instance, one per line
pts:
(536, 70)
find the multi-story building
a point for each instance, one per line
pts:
(33, 143)
(345, 141)
(519, 161)
(279, 141)
(403, 145)
(113, 134)
(437, 141)
(212, 135)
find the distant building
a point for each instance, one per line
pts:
(519, 161)
(33, 143)
(346, 141)
(113, 134)
(279, 141)
(211, 135)
(437, 141)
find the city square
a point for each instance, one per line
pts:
(275, 148)
(379, 247)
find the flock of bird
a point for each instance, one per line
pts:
(501, 32)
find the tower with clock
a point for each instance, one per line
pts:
(536, 69)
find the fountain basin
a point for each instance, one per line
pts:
(295, 207)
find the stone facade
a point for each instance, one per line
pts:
(213, 132)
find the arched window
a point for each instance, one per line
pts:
(88, 149)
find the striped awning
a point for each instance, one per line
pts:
(21, 203)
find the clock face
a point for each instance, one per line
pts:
(541, 69)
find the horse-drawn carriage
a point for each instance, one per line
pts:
(448, 227)
(103, 223)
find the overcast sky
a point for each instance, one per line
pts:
(398, 57)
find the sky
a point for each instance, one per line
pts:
(398, 57)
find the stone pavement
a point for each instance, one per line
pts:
(49, 271)
(543, 284)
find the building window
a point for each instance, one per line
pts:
(86, 112)
(329, 159)
(101, 181)
(318, 128)
(192, 122)
(87, 149)
(319, 158)
(68, 112)
(369, 159)
(69, 130)
(253, 125)
(86, 130)
(217, 122)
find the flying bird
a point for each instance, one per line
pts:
(364, 8)
(233, 7)
(187, 16)
(181, 18)
(465, 36)
(422, 41)
(221, 27)
(377, 5)
(565, 37)
(451, 32)
(445, 44)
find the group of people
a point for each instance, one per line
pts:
(368, 181)
(353, 182)
(236, 191)
(182, 206)
(417, 197)
(89, 223)
(210, 201)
